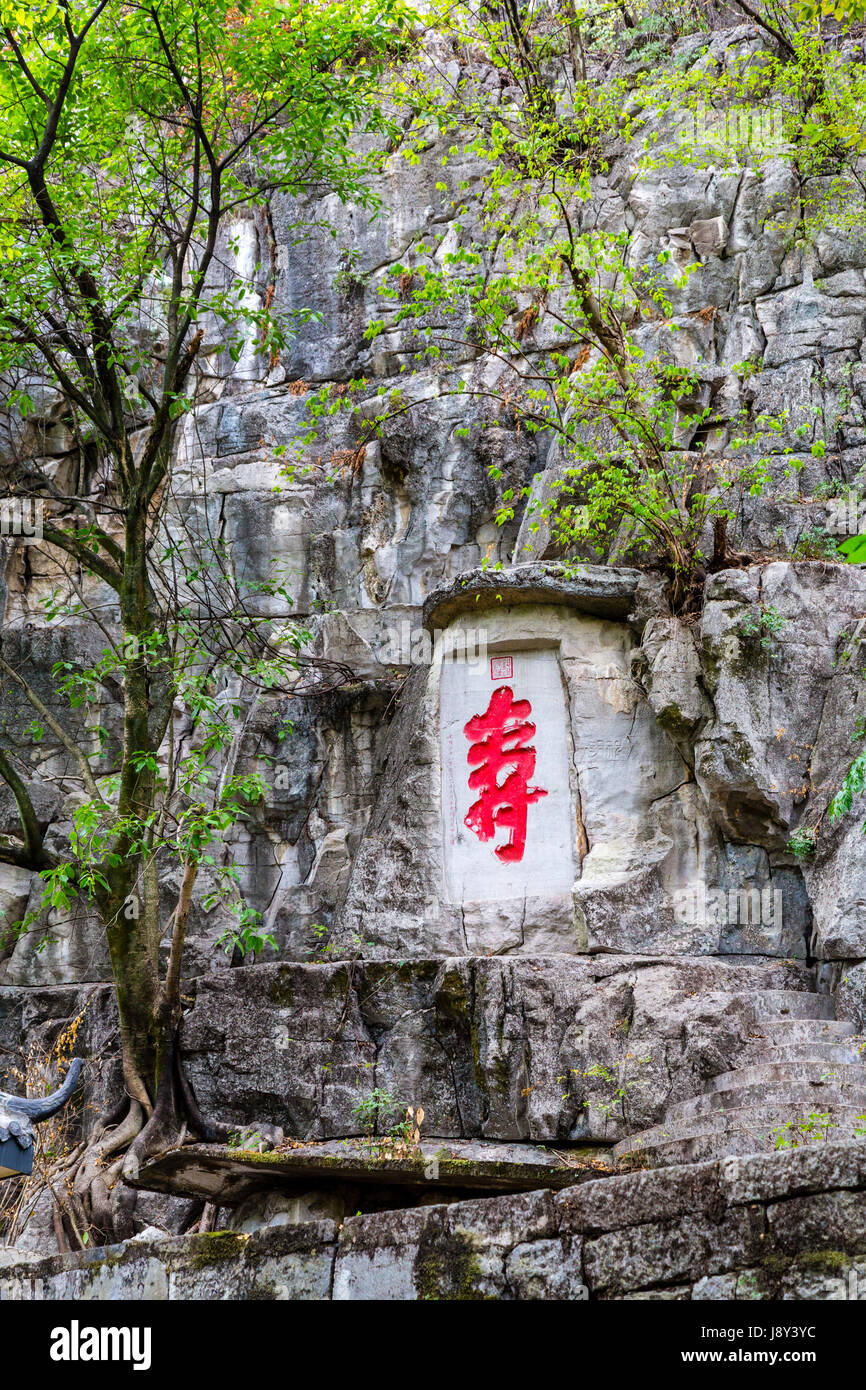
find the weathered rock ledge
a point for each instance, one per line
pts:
(612, 592)
(228, 1176)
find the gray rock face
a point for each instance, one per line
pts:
(286, 1263)
(804, 1081)
(668, 666)
(296, 1182)
(599, 591)
(33, 1020)
(377, 536)
(771, 637)
(512, 1049)
(645, 1236)
(690, 767)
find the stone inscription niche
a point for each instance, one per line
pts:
(507, 817)
(595, 842)
(585, 849)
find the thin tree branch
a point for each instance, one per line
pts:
(34, 855)
(57, 730)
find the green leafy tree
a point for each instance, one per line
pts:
(553, 299)
(558, 302)
(131, 134)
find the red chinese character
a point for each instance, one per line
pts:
(501, 737)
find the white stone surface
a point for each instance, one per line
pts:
(474, 871)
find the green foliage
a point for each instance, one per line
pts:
(803, 842)
(557, 302)
(378, 1113)
(828, 488)
(325, 949)
(801, 98)
(762, 625)
(275, 91)
(850, 11)
(854, 780)
(614, 1094)
(194, 804)
(852, 785)
(816, 543)
(812, 1128)
(249, 1140)
(853, 549)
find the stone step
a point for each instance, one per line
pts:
(777, 1032)
(732, 1143)
(793, 1004)
(834, 1054)
(759, 1121)
(792, 1073)
(810, 1095)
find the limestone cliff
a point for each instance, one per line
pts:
(657, 943)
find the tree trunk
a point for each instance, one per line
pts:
(132, 922)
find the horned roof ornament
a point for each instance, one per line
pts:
(18, 1115)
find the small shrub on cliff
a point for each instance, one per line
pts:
(812, 1128)
(762, 625)
(804, 842)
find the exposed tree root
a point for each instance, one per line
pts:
(94, 1204)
